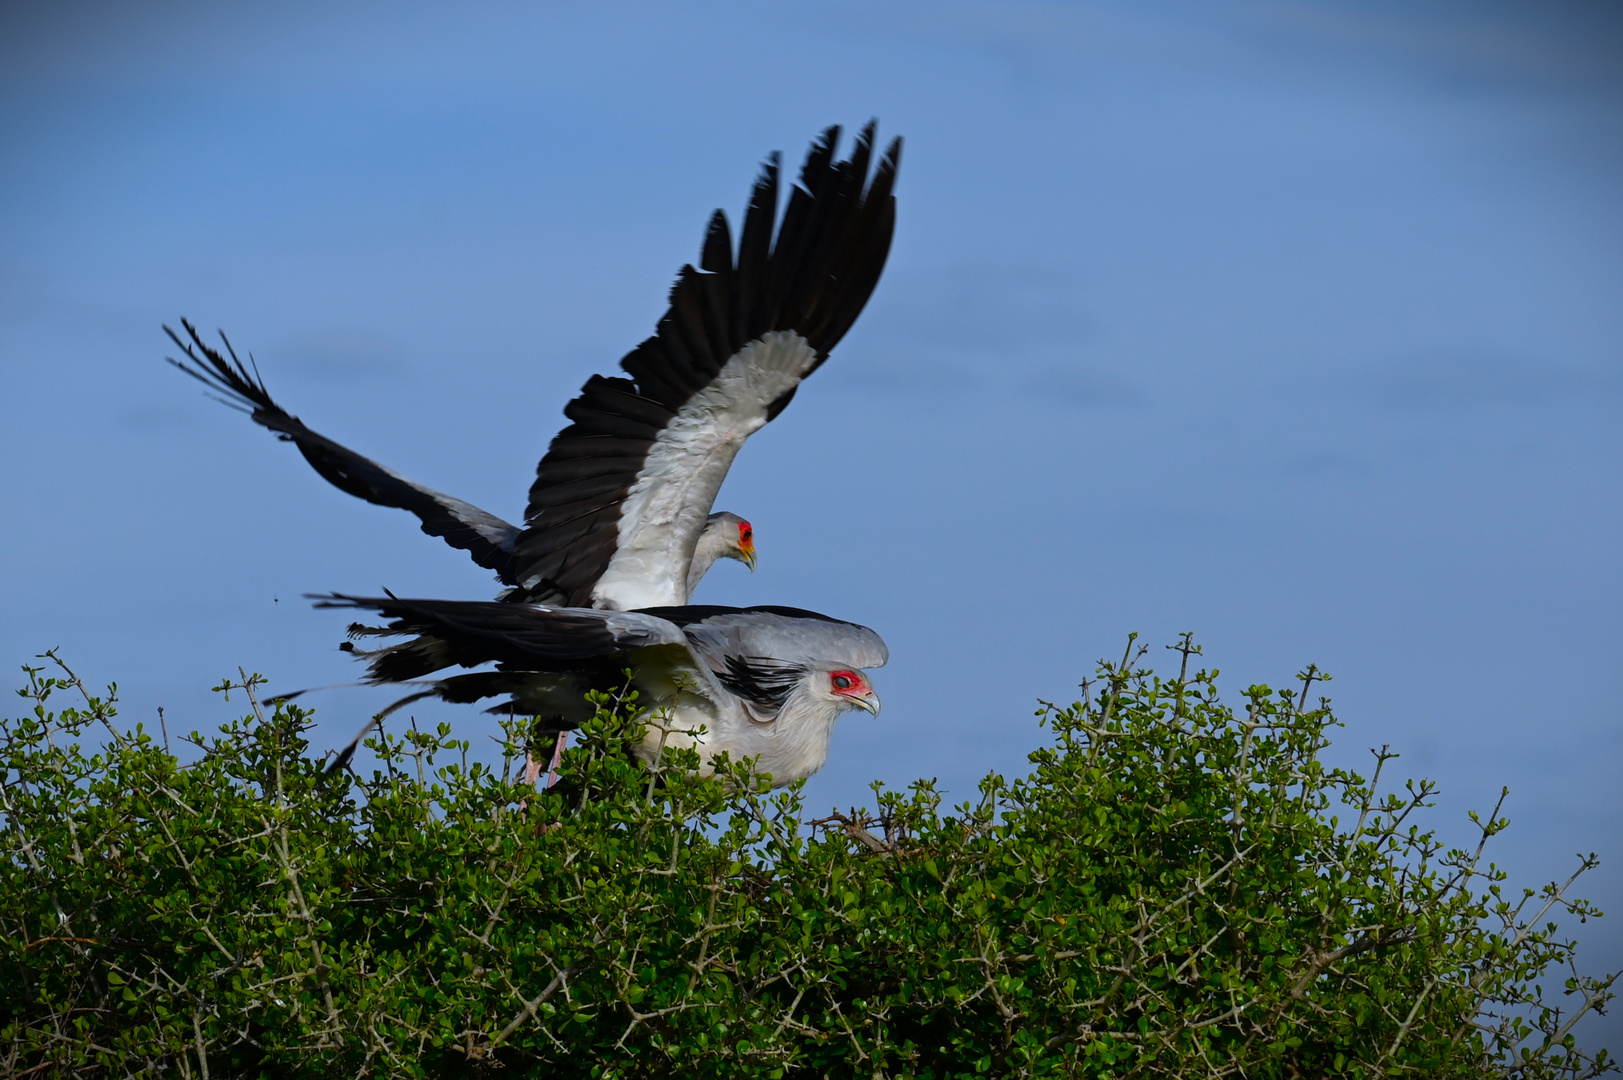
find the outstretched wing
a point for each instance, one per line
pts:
(623, 492)
(546, 657)
(483, 535)
(519, 637)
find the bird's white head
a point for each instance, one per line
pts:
(734, 537)
(848, 688)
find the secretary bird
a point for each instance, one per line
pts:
(619, 516)
(760, 682)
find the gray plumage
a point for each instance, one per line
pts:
(765, 682)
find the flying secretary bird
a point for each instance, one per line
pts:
(619, 516)
(762, 682)
(619, 529)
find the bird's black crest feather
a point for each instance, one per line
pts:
(762, 680)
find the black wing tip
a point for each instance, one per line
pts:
(241, 383)
(891, 161)
(825, 145)
(346, 602)
(821, 156)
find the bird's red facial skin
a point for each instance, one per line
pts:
(746, 538)
(847, 682)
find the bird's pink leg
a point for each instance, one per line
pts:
(557, 756)
(532, 767)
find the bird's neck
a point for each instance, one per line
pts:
(712, 545)
(791, 747)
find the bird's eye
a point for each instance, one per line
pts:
(842, 682)
(745, 533)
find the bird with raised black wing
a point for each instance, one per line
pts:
(619, 516)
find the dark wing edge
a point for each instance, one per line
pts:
(467, 633)
(814, 279)
(518, 637)
(483, 535)
(688, 614)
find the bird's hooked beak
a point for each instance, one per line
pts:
(869, 701)
(746, 554)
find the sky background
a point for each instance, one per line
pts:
(1298, 326)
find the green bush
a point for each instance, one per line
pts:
(1167, 894)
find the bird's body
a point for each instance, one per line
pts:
(765, 683)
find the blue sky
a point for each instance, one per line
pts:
(1294, 325)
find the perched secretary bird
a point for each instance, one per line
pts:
(619, 516)
(761, 682)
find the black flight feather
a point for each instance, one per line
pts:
(483, 535)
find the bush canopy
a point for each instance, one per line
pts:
(1177, 889)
